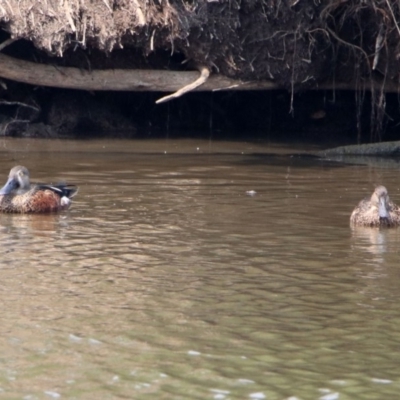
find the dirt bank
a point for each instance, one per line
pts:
(297, 45)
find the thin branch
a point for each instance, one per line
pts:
(393, 16)
(6, 43)
(204, 74)
(107, 5)
(18, 103)
(378, 47)
(69, 17)
(349, 44)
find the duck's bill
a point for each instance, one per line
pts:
(383, 212)
(9, 187)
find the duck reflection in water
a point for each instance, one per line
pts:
(377, 211)
(19, 196)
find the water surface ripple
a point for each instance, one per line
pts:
(170, 279)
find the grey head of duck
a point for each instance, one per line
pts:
(18, 181)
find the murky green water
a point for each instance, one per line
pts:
(166, 280)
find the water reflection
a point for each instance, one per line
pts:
(378, 242)
(40, 224)
(372, 240)
(166, 279)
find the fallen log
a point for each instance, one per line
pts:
(149, 80)
(117, 79)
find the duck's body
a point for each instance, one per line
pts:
(376, 211)
(19, 196)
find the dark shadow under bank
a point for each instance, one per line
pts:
(318, 116)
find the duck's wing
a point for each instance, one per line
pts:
(394, 208)
(61, 189)
(364, 205)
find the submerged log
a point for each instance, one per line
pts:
(370, 149)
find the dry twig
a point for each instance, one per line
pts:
(18, 103)
(6, 43)
(204, 74)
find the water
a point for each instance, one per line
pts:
(197, 270)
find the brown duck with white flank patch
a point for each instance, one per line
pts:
(19, 196)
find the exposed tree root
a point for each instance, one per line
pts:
(18, 103)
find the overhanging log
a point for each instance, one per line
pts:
(117, 79)
(147, 80)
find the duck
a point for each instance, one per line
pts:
(18, 195)
(376, 211)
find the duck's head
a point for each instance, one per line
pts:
(18, 179)
(380, 199)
